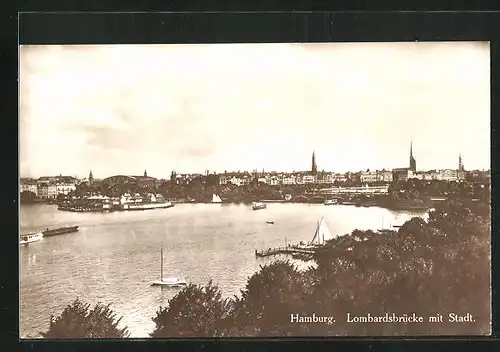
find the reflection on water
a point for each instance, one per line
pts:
(115, 256)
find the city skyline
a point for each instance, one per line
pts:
(241, 107)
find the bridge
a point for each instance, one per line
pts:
(283, 250)
(354, 190)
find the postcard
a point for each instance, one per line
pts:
(255, 190)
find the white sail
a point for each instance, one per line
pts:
(216, 199)
(322, 233)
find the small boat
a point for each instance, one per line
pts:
(59, 231)
(270, 222)
(216, 198)
(258, 206)
(30, 238)
(169, 282)
(330, 201)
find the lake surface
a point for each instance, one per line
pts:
(115, 256)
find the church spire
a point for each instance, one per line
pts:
(413, 162)
(314, 167)
(91, 177)
(145, 173)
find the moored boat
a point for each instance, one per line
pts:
(30, 238)
(258, 206)
(59, 231)
(331, 201)
(169, 282)
(147, 206)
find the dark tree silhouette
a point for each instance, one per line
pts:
(194, 312)
(78, 322)
(27, 197)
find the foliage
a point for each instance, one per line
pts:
(27, 197)
(77, 321)
(269, 298)
(194, 312)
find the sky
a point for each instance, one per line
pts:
(121, 109)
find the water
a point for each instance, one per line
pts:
(115, 256)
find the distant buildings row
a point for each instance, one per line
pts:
(363, 177)
(51, 186)
(48, 186)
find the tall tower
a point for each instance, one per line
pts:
(460, 163)
(145, 173)
(314, 167)
(91, 178)
(413, 162)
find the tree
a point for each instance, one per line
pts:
(77, 321)
(27, 196)
(271, 295)
(196, 311)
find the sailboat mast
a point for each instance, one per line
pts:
(161, 269)
(317, 233)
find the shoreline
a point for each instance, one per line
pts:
(371, 204)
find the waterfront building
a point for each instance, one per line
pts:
(384, 176)
(45, 179)
(28, 185)
(338, 177)
(307, 179)
(368, 176)
(262, 180)
(327, 178)
(289, 179)
(65, 187)
(182, 179)
(235, 178)
(47, 190)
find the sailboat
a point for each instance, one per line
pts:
(322, 234)
(170, 282)
(216, 199)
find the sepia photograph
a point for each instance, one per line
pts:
(254, 190)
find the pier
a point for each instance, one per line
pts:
(283, 250)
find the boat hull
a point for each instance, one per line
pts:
(331, 202)
(168, 284)
(258, 206)
(149, 206)
(60, 231)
